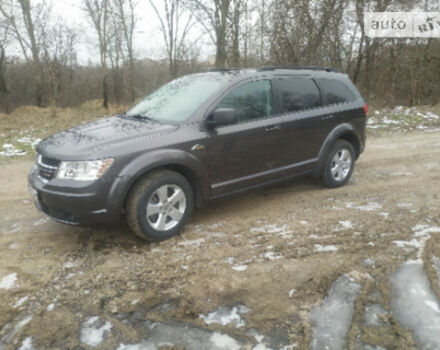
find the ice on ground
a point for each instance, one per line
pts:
(194, 242)
(371, 315)
(225, 316)
(179, 335)
(272, 256)
(325, 248)
(27, 344)
(436, 263)
(240, 268)
(346, 224)
(93, 331)
(421, 236)
(20, 302)
(332, 319)
(371, 206)
(281, 230)
(8, 281)
(415, 305)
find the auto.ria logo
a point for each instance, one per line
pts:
(402, 24)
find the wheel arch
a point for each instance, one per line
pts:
(342, 132)
(175, 160)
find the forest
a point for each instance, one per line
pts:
(39, 64)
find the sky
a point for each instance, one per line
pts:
(148, 39)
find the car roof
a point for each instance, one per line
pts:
(231, 74)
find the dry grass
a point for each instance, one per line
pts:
(33, 123)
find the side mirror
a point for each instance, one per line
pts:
(222, 116)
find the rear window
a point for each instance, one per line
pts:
(298, 94)
(336, 91)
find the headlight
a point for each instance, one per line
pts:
(83, 170)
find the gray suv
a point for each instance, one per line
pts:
(198, 138)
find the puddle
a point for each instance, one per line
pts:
(415, 305)
(332, 319)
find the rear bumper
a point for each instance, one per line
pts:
(79, 204)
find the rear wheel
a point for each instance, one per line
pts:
(159, 205)
(339, 164)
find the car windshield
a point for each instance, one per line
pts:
(176, 101)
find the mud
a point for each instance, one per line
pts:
(276, 251)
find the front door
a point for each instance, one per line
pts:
(241, 155)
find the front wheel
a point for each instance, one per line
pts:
(339, 165)
(159, 205)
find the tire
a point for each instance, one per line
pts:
(339, 164)
(152, 213)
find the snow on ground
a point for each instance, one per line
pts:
(16, 147)
(93, 331)
(27, 344)
(436, 263)
(414, 304)
(225, 316)
(281, 230)
(421, 236)
(371, 315)
(20, 302)
(8, 281)
(371, 206)
(346, 224)
(325, 248)
(192, 242)
(331, 320)
(179, 335)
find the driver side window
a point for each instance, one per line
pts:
(252, 100)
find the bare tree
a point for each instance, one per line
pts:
(27, 28)
(125, 24)
(98, 12)
(214, 17)
(171, 19)
(4, 92)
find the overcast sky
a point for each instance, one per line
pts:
(148, 38)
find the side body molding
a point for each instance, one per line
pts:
(166, 158)
(336, 133)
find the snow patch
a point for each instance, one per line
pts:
(225, 316)
(20, 302)
(371, 315)
(223, 341)
(415, 305)
(240, 268)
(50, 307)
(27, 344)
(371, 206)
(281, 230)
(272, 256)
(325, 248)
(193, 242)
(93, 331)
(332, 319)
(8, 281)
(346, 224)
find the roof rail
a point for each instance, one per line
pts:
(327, 69)
(222, 69)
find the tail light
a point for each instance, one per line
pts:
(366, 109)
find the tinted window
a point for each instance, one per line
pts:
(336, 91)
(251, 101)
(298, 94)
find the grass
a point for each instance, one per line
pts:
(22, 129)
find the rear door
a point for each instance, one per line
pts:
(241, 155)
(306, 122)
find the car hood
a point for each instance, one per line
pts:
(93, 139)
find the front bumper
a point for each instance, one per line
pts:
(71, 202)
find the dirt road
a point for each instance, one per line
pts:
(296, 266)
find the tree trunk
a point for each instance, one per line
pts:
(4, 98)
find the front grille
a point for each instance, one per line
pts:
(47, 167)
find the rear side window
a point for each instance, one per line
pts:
(251, 100)
(298, 94)
(336, 91)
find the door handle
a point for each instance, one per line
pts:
(273, 128)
